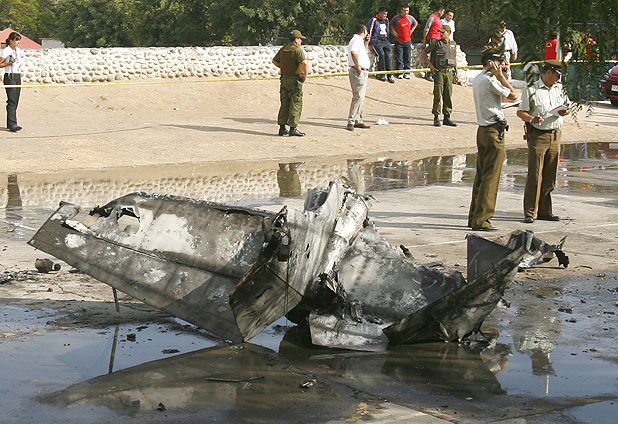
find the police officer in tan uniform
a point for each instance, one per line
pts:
(294, 69)
(443, 62)
(543, 106)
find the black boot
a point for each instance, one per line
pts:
(294, 132)
(436, 121)
(447, 121)
(283, 130)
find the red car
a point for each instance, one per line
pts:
(609, 85)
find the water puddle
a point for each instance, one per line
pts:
(141, 369)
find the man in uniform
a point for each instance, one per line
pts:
(294, 69)
(488, 89)
(402, 27)
(542, 108)
(444, 60)
(359, 73)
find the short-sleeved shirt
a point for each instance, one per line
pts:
(551, 49)
(357, 44)
(539, 99)
(488, 93)
(450, 23)
(433, 27)
(15, 67)
(403, 26)
(289, 58)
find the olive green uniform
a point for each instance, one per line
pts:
(443, 58)
(290, 58)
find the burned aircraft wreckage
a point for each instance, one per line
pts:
(233, 271)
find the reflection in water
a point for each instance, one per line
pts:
(302, 383)
(13, 210)
(441, 367)
(535, 332)
(583, 166)
(232, 384)
(288, 179)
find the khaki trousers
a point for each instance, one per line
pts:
(489, 161)
(358, 82)
(291, 96)
(543, 154)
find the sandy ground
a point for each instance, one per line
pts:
(94, 127)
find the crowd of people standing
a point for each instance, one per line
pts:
(542, 108)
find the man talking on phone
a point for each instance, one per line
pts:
(489, 88)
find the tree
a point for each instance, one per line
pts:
(92, 23)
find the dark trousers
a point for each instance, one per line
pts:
(383, 50)
(543, 154)
(291, 96)
(12, 98)
(489, 161)
(403, 54)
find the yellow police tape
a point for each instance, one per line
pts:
(216, 79)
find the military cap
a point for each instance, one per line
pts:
(494, 52)
(554, 65)
(445, 28)
(296, 34)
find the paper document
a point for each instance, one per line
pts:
(511, 104)
(557, 109)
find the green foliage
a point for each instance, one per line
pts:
(92, 23)
(33, 18)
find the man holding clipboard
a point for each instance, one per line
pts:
(542, 108)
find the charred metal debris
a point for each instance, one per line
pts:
(234, 270)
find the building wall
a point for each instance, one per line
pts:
(77, 65)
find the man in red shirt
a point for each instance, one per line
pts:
(402, 27)
(431, 32)
(551, 46)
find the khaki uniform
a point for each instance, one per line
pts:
(543, 146)
(443, 58)
(290, 58)
(487, 92)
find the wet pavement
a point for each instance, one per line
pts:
(553, 357)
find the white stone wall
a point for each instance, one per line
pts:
(62, 66)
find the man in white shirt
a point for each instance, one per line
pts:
(488, 89)
(510, 46)
(450, 21)
(359, 74)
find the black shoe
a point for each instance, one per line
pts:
(391, 79)
(381, 77)
(447, 121)
(283, 130)
(295, 133)
(436, 121)
(361, 125)
(14, 128)
(488, 228)
(548, 218)
(429, 76)
(528, 220)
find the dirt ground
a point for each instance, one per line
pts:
(95, 127)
